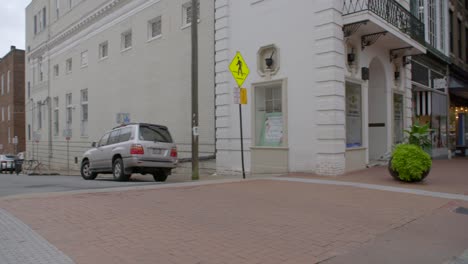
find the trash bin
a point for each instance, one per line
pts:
(18, 166)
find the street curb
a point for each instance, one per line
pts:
(128, 188)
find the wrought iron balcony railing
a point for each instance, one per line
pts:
(390, 11)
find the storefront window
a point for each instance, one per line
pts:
(353, 116)
(398, 119)
(269, 119)
(439, 122)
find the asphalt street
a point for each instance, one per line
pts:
(12, 184)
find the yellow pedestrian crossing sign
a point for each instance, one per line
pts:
(239, 69)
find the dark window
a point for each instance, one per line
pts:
(460, 39)
(420, 73)
(104, 140)
(154, 133)
(44, 17)
(466, 43)
(125, 134)
(29, 132)
(29, 90)
(114, 137)
(35, 25)
(451, 30)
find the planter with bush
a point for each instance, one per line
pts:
(409, 161)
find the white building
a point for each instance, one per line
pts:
(338, 94)
(90, 63)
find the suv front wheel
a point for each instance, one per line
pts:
(118, 170)
(86, 172)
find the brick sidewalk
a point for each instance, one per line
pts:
(259, 221)
(450, 176)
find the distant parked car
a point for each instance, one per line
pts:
(133, 148)
(7, 162)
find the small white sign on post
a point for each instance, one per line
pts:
(440, 83)
(123, 118)
(67, 133)
(236, 95)
(15, 140)
(36, 136)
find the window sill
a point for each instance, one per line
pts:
(84, 66)
(125, 50)
(154, 38)
(188, 25)
(269, 148)
(103, 58)
(355, 148)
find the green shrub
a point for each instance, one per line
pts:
(410, 161)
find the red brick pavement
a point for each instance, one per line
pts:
(259, 221)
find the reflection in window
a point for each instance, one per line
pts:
(269, 116)
(353, 116)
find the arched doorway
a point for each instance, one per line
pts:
(377, 110)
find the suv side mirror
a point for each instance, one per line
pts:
(93, 144)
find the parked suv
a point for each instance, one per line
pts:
(133, 148)
(7, 162)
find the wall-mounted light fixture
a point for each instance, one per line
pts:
(397, 74)
(269, 61)
(365, 73)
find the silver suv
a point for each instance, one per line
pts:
(133, 148)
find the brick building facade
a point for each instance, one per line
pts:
(12, 101)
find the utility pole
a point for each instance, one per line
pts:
(195, 132)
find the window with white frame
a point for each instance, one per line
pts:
(442, 16)
(3, 83)
(84, 58)
(84, 112)
(69, 106)
(353, 116)
(57, 8)
(9, 135)
(39, 115)
(431, 4)
(155, 28)
(70, 4)
(8, 82)
(69, 65)
(127, 40)
(41, 75)
(3, 114)
(8, 113)
(269, 116)
(56, 116)
(56, 70)
(187, 13)
(103, 50)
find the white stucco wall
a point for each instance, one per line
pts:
(309, 38)
(151, 81)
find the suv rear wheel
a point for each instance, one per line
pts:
(118, 170)
(160, 175)
(86, 172)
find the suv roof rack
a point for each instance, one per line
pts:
(145, 124)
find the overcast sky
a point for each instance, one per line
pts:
(12, 24)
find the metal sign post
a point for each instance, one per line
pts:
(67, 133)
(240, 71)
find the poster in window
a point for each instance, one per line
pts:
(353, 117)
(272, 130)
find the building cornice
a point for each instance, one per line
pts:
(83, 23)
